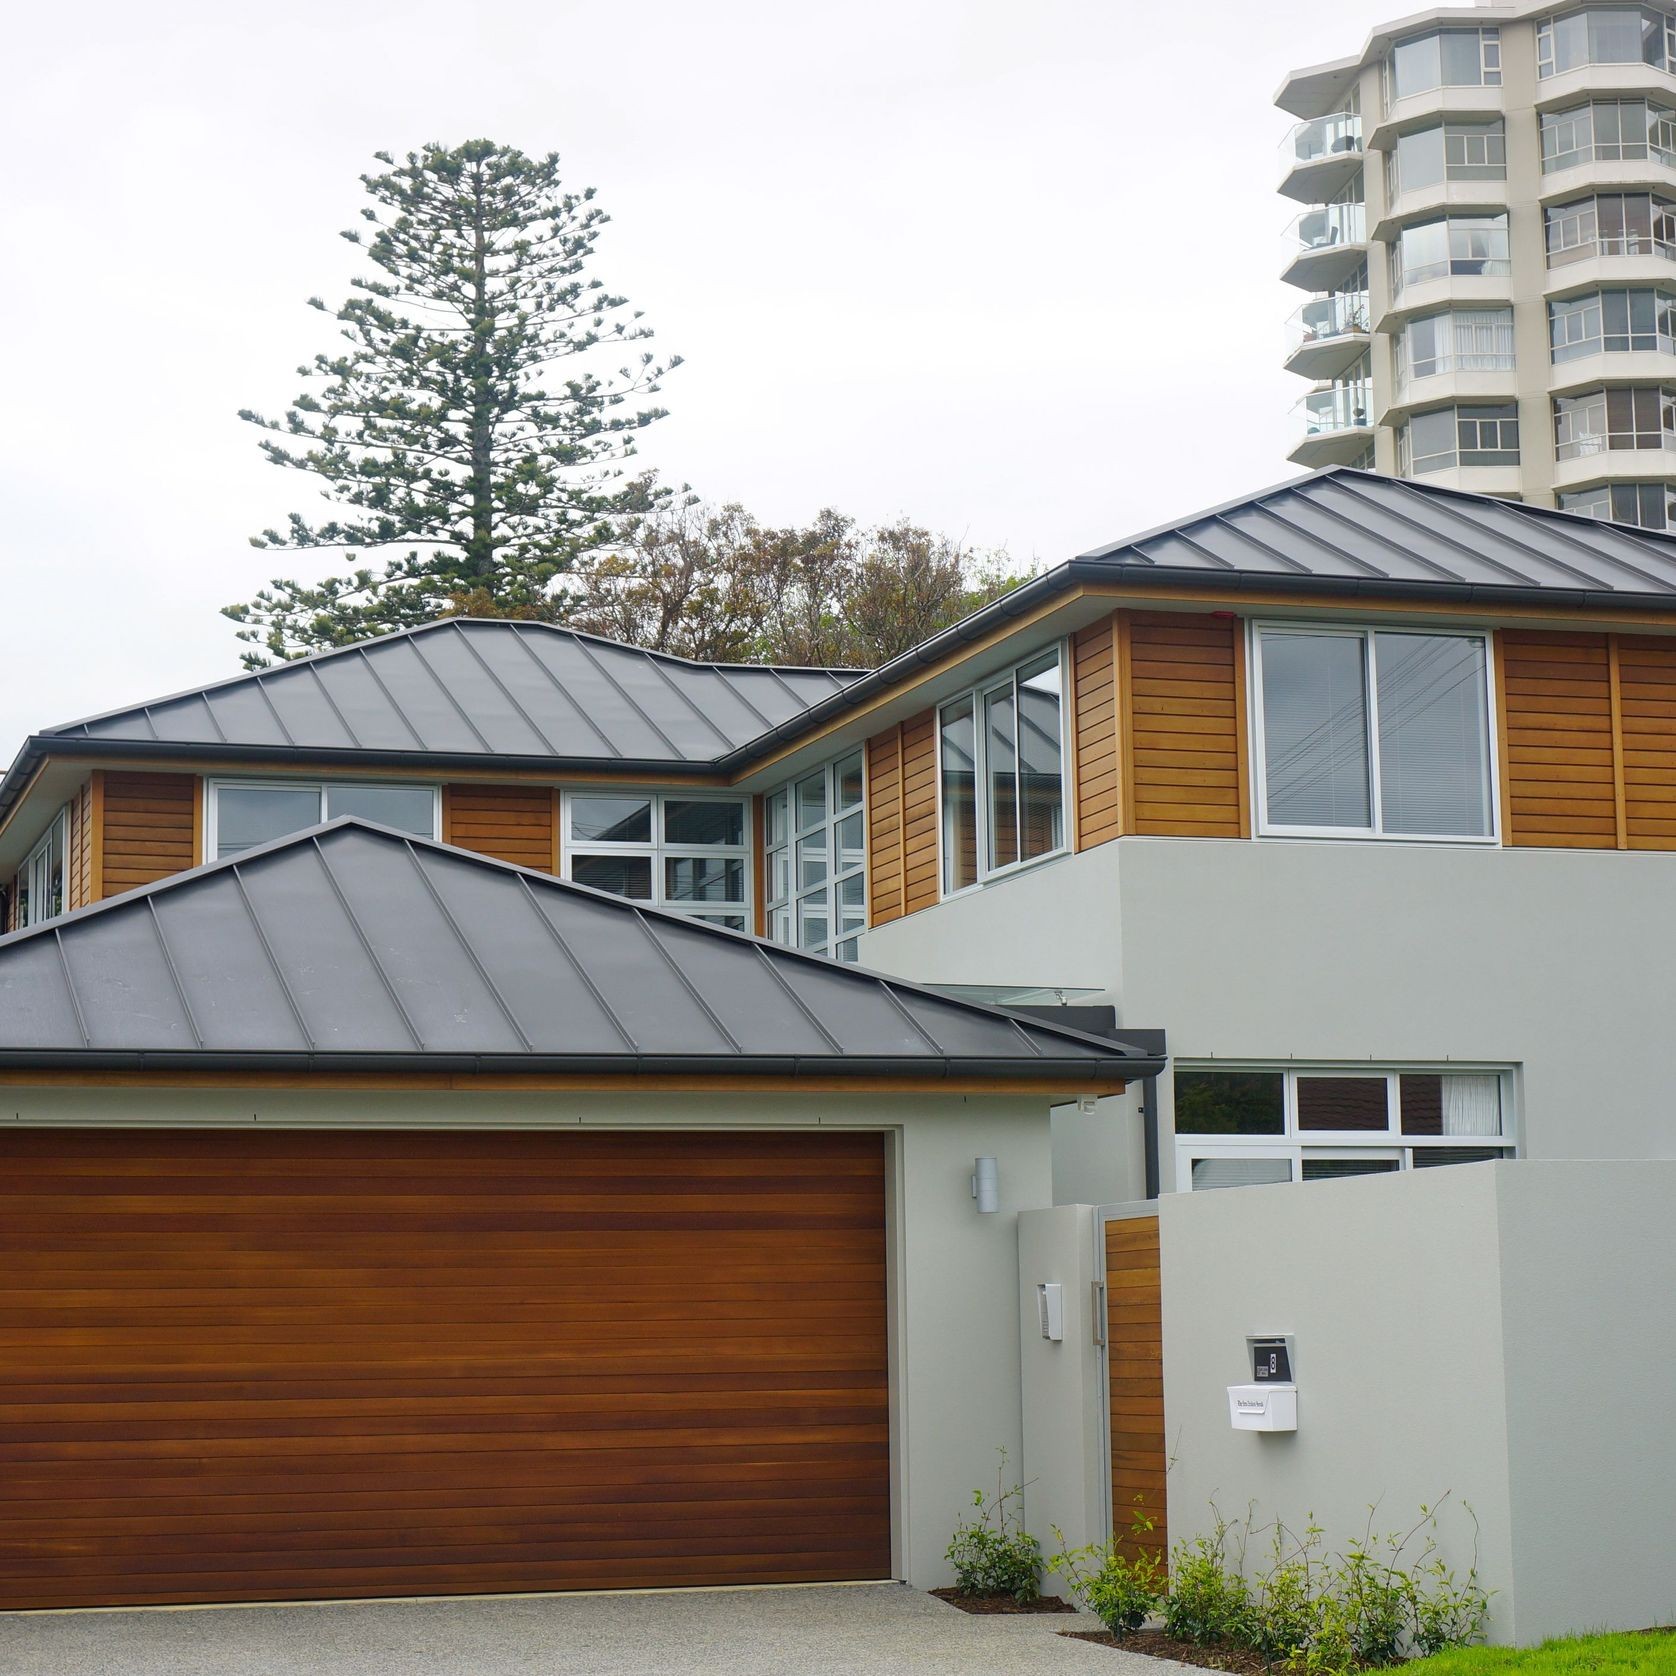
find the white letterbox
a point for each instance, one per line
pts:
(1269, 1407)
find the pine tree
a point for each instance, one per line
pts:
(469, 419)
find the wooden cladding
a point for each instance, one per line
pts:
(516, 823)
(149, 829)
(902, 819)
(1588, 740)
(1135, 1348)
(1099, 788)
(313, 1364)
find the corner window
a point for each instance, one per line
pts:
(1445, 58)
(1447, 151)
(1611, 224)
(41, 880)
(1373, 733)
(1459, 436)
(1608, 131)
(1648, 506)
(1001, 763)
(1456, 340)
(244, 813)
(1469, 246)
(1605, 35)
(673, 850)
(817, 861)
(1604, 421)
(1612, 323)
(1237, 1128)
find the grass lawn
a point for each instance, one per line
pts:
(1586, 1655)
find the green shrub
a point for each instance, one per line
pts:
(993, 1554)
(1286, 1602)
(1120, 1590)
(1208, 1600)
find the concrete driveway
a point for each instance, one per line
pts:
(873, 1629)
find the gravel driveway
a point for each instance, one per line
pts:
(873, 1629)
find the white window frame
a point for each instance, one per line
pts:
(1294, 1145)
(839, 945)
(659, 851)
(212, 799)
(980, 773)
(1370, 834)
(39, 861)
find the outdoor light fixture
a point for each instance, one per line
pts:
(986, 1185)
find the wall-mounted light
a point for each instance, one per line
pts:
(986, 1184)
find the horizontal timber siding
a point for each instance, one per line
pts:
(307, 1364)
(1135, 1347)
(1095, 721)
(148, 829)
(509, 822)
(1556, 698)
(902, 819)
(1647, 730)
(1184, 675)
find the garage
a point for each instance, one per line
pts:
(378, 1219)
(253, 1366)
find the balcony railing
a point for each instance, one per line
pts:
(1337, 315)
(1330, 224)
(1322, 136)
(1337, 407)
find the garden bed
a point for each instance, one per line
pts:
(1156, 1644)
(1003, 1604)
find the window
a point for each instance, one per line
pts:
(1449, 151)
(1619, 224)
(1001, 766)
(1459, 436)
(817, 856)
(1237, 1128)
(1649, 506)
(1612, 323)
(1605, 35)
(1456, 340)
(1374, 732)
(1474, 246)
(41, 879)
(673, 850)
(1608, 131)
(244, 813)
(1604, 420)
(1445, 58)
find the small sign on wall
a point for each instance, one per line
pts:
(1271, 1359)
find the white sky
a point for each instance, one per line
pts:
(1008, 268)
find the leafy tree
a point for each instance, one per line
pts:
(712, 583)
(468, 420)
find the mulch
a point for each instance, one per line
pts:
(1156, 1644)
(1001, 1603)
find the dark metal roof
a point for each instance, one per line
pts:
(1341, 530)
(351, 946)
(476, 688)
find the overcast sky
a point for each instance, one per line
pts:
(1007, 268)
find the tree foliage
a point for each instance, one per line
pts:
(712, 583)
(471, 418)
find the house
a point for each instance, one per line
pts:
(495, 1109)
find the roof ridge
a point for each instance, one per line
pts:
(642, 911)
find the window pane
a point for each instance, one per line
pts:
(1001, 760)
(959, 788)
(1421, 1100)
(811, 861)
(1342, 1103)
(777, 809)
(812, 925)
(1434, 734)
(1428, 1157)
(846, 777)
(779, 885)
(1315, 729)
(704, 879)
(705, 822)
(852, 849)
(1240, 1172)
(1419, 159)
(1332, 1169)
(1041, 790)
(622, 875)
(611, 820)
(248, 815)
(407, 808)
(1230, 1103)
(811, 801)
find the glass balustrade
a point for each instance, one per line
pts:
(1337, 407)
(1322, 136)
(1337, 315)
(1327, 225)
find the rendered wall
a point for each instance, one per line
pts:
(953, 1288)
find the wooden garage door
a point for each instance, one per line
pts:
(242, 1366)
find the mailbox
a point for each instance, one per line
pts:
(1268, 1407)
(1050, 1309)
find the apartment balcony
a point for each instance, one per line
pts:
(1614, 367)
(1603, 81)
(1471, 103)
(1321, 157)
(1337, 424)
(1639, 258)
(1602, 169)
(1331, 244)
(1457, 196)
(1489, 286)
(1328, 335)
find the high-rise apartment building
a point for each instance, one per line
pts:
(1487, 237)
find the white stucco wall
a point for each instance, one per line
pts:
(1503, 1332)
(954, 1272)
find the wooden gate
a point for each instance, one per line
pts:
(1135, 1380)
